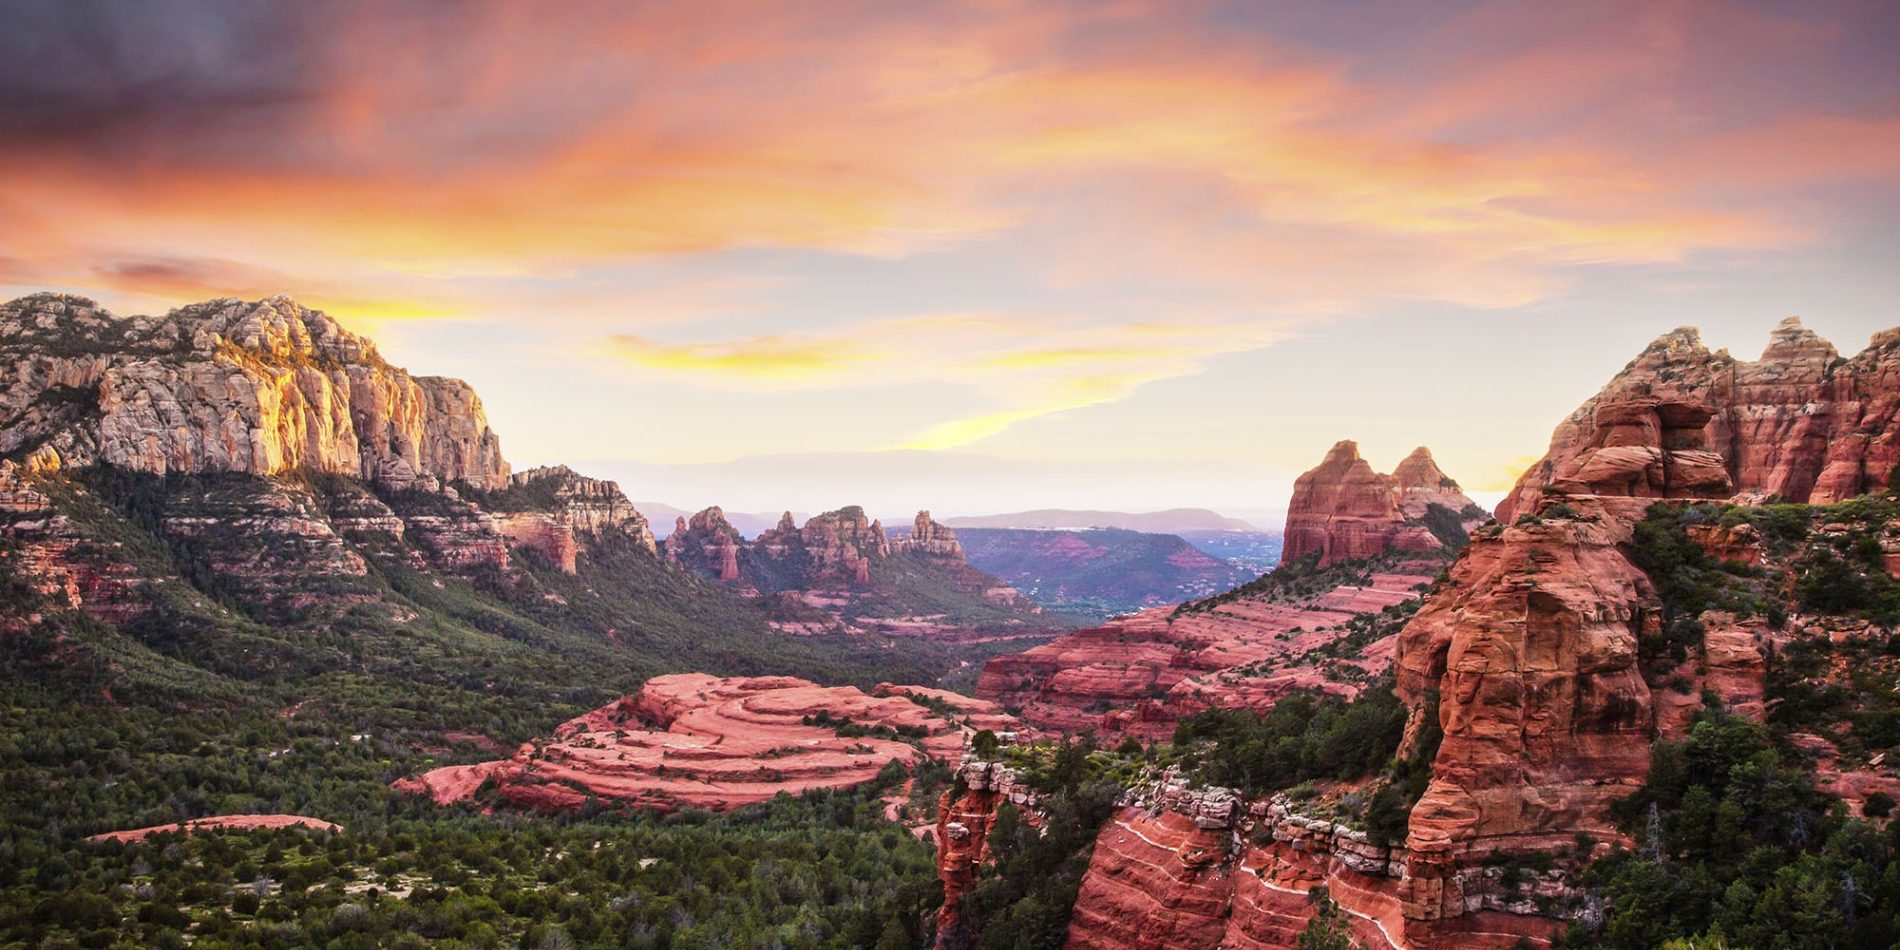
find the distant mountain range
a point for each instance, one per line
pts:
(1171, 521)
(1099, 572)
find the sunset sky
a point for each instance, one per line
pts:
(975, 256)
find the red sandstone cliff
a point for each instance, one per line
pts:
(1343, 510)
(1534, 648)
(1800, 423)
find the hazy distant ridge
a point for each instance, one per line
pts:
(1171, 521)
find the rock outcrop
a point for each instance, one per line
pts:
(1532, 656)
(265, 388)
(1140, 675)
(928, 537)
(696, 740)
(569, 509)
(841, 573)
(1800, 423)
(964, 816)
(706, 545)
(1343, 510)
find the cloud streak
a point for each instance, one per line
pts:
(1119, 192)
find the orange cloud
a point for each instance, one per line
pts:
(771, 357)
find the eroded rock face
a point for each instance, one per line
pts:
(707, 545)
(1800, 423)
(265, 388)
(964, 816)
(1530, 656)
(702, 741)
(1343, 510)
(928, 537)
(1140, 675)
(570, 509)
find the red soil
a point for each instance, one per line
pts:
(220, 821)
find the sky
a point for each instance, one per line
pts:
(982, 256)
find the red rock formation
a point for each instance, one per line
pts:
(1140, 674)
(1799, 423)
(592, 508)
(567, 509)
(1343, 510)
(267, 387)
(240, 822)
(696, 740)
(928, 537)
(964, 816)
(55, 558)
(1531, 652)
(707, 545)
(841, 545)
(542, 533)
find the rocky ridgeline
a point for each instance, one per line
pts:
(823, 575)
(1801, 423)
(1342, 510)
(279, 455)
(264, 388)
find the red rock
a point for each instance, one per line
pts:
(1140, 674)
(1799, 423)
(701, 741)
(1343, 510)
(221, 821)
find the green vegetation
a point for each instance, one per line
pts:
(1308, 737)
(1304, 578)
(1023, 903)
(234, 692)
(1689, 581)
(1448, 526)
(1735, 846)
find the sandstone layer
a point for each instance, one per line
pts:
(693, 740)
(1343, 510)
(1140, 675)
(1801, 423)
(218, 822)
(265, 387)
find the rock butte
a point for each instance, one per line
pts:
(216, 822)
(693, 740)
(1342, 510)
(1801, 423)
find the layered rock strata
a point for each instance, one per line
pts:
(1801, 423)
(693, 740)
(1140, 675)
(265, 388)
(1343, 510)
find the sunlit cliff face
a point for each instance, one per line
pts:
(1075, 236)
